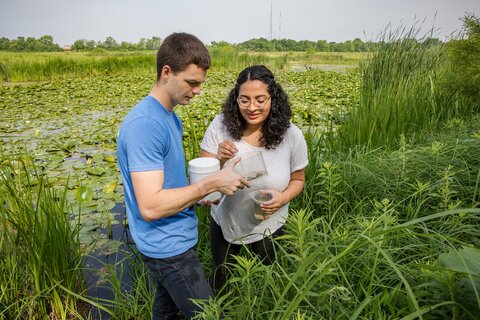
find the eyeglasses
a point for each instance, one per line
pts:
(259, 103)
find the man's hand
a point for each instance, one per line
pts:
(229, 181)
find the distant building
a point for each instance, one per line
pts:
(67, 48)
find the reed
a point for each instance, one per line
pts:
(41, 255)
(402, 92)
(232, 59)
(132, 300)
(16, 67)
(19, 67)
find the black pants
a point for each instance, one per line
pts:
(223, 252)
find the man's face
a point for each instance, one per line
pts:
(184, 85)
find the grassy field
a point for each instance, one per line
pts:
(21, 67)
(387, 226)
(27, 67)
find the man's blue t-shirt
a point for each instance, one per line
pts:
(150, 138)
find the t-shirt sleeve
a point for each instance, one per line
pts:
(145, 142)
(213, 136)
(299, 150)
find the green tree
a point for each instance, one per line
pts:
(333, 46)
(127, 46)
(305, 45)
(464, 58)
(110, 44)
(31, 44)
(322, 46)
(358, 45)
(142, 44)
(83, 45)
(153, 44)
(79, 45)
(431, 42)
(260, 44)
(19, 44)
(4, 44)
(220, 44)
(45, 43)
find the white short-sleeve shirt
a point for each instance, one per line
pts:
(235, 214)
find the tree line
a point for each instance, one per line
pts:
(356, 45)
(42, 44)
(46, 43)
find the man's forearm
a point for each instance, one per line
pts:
(167, 202)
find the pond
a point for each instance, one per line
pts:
(100, 263)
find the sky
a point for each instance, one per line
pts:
(231, 21)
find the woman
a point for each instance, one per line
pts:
(255, 117)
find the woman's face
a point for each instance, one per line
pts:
(254, 102)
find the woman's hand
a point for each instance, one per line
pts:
(226, 151)
(275, 203)
(208, 203)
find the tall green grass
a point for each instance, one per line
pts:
(232, 59)
(132, 300)
(18, 67)
(403, 91)
(15, 67)
(40, 253)
(367, 267)
(376, 234)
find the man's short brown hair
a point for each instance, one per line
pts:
(179, 50)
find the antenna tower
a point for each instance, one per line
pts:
(279, 25)
(271, 22)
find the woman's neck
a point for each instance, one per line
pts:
(252, 135)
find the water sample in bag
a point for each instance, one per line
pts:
(251, 166)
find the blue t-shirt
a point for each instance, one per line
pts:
(150, 138)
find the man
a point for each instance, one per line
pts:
(158, 196)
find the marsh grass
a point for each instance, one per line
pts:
(15, 67)
(41, 255)
(368, 269)
(132, 300)
(231, 58)
(21, 67)
(368, 236)
(403, 91)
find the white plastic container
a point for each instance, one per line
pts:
(200, 168)
(260, 196)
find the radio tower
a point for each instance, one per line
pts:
(271, 21)
(279, 25)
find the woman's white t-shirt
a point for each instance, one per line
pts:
(235, 214)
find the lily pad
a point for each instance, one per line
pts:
(110, 187)
(84, 194)
(96, 171)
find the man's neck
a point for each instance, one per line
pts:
(160, 94)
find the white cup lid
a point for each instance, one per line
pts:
(203, 165)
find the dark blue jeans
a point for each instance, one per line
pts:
(178, 279)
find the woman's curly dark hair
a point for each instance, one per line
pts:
(278, 120)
